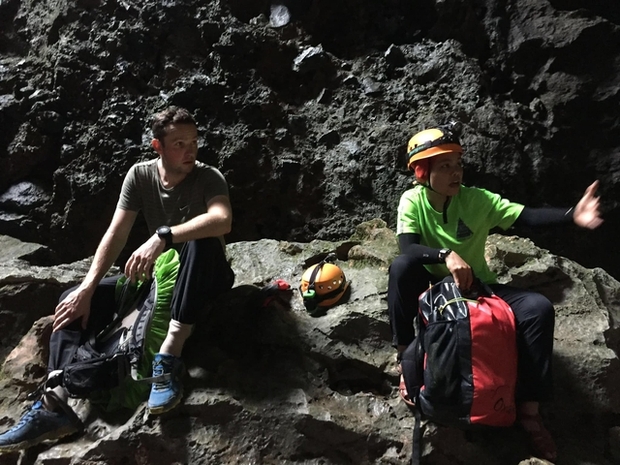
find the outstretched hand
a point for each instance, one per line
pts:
(586, 212)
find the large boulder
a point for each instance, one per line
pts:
(275, 385)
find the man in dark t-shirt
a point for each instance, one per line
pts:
(186, 206)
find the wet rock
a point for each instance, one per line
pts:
(23, 197)
(351, 80)
(311, 59)
(280, 16)
(29, 149)
(371, 87)
(520, 79)
(395, 56)
(324, 96)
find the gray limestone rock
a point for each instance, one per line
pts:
(272, 384)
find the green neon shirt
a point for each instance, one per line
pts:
(471, 214)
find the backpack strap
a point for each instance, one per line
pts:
(46, 389)
(416, 449)
(155, 379)
(416, 442)
(328, 259)
(73, 418)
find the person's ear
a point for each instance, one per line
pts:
(157, 146)
(421, 173)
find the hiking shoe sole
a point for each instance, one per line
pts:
(55, 435)
(166, 408)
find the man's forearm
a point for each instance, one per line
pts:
(210, 224)
(107, 252)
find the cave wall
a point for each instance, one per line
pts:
(306, 113)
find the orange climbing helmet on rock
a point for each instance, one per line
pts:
(323, 284)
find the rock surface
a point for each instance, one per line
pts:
(306, 107)
(274, 385)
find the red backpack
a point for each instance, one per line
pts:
(461, 369)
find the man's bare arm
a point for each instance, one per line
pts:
(215, 222)
(77, 303)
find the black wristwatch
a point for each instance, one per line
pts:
(166, 234)
(443, 254)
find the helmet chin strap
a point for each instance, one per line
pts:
(445, 209)
(428, 186)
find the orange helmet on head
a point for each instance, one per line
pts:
(323, 284)
(430, 143)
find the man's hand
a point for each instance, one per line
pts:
(586, 212)
(460, 270)
(75, 305)
(140, 264)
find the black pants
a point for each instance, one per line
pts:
(534, 316)
(204, 273)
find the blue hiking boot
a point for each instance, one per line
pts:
(167, 390)
(36, 426)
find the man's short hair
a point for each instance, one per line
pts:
(171, 115)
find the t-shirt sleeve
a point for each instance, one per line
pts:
(215, 185)
(503, 213)
(407, 218)
(129, 199)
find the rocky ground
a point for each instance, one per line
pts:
(306, 107)
(275, 385)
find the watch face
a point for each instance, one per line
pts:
(163, 230)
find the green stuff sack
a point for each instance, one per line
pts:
(113, 368)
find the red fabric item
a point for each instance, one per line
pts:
(282, 285)
(493, 406)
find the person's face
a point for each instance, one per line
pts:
(446, 173)
(179, 148)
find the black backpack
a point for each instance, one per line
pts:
(461, 369)
(114, 366)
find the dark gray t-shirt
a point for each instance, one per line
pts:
(142, 190)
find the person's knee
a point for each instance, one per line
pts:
(545, 306)
(208, 243)
(200, 248)
(547, 311)
(64, 295)
(541, 309)
(404, 265)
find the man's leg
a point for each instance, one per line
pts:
(535, 318)
(204, 273)
(51, 418)
(408, 279)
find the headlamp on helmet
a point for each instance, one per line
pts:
(323, 285)
(432, 142)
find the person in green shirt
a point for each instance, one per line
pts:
(442, 230)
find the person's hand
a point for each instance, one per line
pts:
(586, 213)
(75, 305)
(140, 264)
(460, 270)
